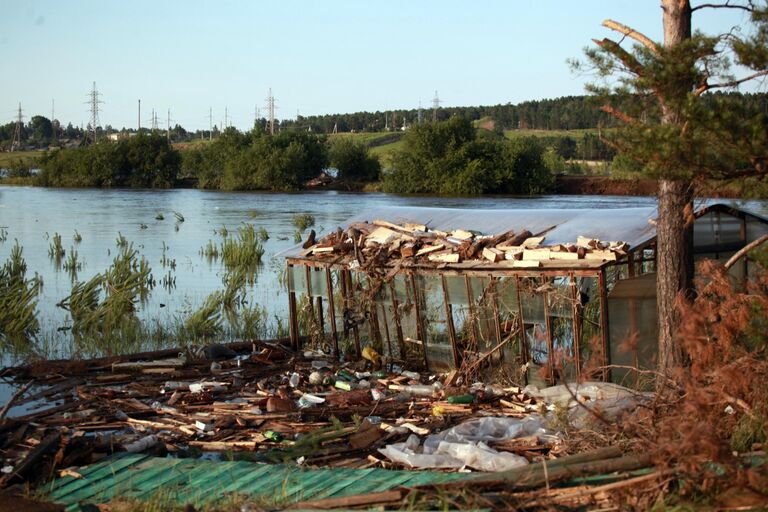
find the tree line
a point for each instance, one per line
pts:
(566, 113)
(448, 157)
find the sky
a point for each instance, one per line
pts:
(318, 57)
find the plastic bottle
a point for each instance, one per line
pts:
(420, 389)
(294, 380)
(461, 399)
(410, 375)
(346, 386)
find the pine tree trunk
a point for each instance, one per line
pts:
(674, 257)
(674, 265)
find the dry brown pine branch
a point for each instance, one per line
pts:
(632, 33)
(727, 5)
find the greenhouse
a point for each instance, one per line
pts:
(546, 295)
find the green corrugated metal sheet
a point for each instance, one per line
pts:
(198, 481)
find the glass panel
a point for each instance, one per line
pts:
(456, 287)
(590, 342)
(632, 314)
(509, 317)
(319, 283)
(297, 280)
(535, 327)
(560, 299)
(438, 342)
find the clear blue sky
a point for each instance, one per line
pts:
(318, 57)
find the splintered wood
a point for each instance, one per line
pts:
(386, 243)
(267, 400)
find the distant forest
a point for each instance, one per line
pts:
(566, 113)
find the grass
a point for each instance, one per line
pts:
(303, 221)
(516, 134)
(19, 159)
(18, 300)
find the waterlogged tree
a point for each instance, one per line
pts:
(448, 158)
(143, 161)
(257, 161)
(677, 129)
(353, 160)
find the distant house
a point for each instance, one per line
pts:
(121, 135)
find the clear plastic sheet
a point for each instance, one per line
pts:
(467, 445)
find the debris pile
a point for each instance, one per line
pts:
(265, 403)
(379, 242)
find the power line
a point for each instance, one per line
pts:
(16, 140)
(94, 102)
(271, 112)
(154, 121)
(435, 105)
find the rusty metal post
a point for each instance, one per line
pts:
(332, 311)
(419, 320)
(449, 320)
(293, 323)
(396, 314)
(606, 355)
(575, 299)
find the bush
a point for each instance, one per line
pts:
(353, 160)
(448, 158)
(143, 161)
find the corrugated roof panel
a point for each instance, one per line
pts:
(197, 481)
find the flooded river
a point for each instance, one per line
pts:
(173, 249)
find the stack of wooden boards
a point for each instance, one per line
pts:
(391, 243)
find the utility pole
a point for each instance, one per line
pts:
(435, 105)
(226, 120)
(210, 123)
(154, 121)
(255, 115)
(168, 132)
(271, 112)
(16, 140)
(53, 125)
(138, 129)
(94, 102)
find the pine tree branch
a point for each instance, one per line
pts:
(632, 33)
(621, 116)
(733, 83)
(626, 58)
(744, 250)
(726, 5)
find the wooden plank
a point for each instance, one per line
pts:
(492, 254)
(537, 254)
(445, 258)
(526, 264)
(430, 248)
(600, 255)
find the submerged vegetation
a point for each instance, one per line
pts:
(143, 161)
(18, 300)
(107, 313)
